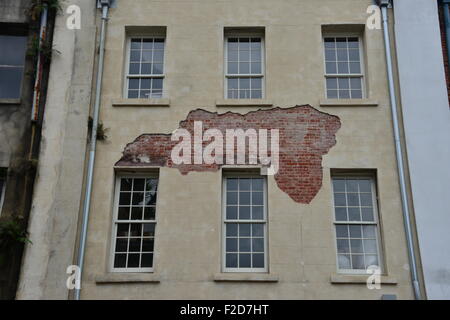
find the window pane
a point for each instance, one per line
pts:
(342, 231)
(231, 261)
(232, 198)
(367, 214)
(10, 82)
(343, 246)
(332, 94)
(330, 55)
(369, 232)
(257, 198)
(258, 245)
(244, 230)
(124, 213)
(136, 43)
(257, 212)
(344, 261)
(355, 67)
(244, 213)
(231, 229)
(149, 213)
(330, 43)
(233, 68)
(133, 260)
(355, 231)
(244, 245)
(232, 212)
(258, 230)
(244, 260)
(341, 214)
(13, 50)
(120, 260)
(147, 260)
(122, 245)
(358, 261)
(258, 260)
(331, 67)
(232, 244)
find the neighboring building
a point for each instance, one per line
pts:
(161, 229)
(22, 100)
(426, 116)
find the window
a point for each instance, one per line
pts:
(145, 70)
(134, 224)
(2, 187)
(245, 224)
(12, 61)
(356, 222)
(343, 68)
(244, 65)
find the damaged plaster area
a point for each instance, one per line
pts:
(305, 135)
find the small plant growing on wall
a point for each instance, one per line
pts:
(12, 233)
(101, 130)
(45, 49)
(37, 6)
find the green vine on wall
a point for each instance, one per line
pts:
(37, 6)
(12, 233)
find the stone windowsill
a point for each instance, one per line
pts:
(245, 277)
(359, 279)
(112, 277)
(244, 103)
(348, 103)
(10, 101)
(141, 102)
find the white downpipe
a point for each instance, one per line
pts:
(93, 142)
(399, 154)
(37, 80)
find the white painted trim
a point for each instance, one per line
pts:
(264, 221)
(361, 75)
(126, 73)
(118, 178)
(262, 75)
(376, 223)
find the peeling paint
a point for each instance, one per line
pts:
(306, 134)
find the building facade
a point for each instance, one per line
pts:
(25, 54)
(151, 223)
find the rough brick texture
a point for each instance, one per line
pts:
(305, 136)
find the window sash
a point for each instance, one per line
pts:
(374, 223)
(244, 75)
(349, 75)
(117, 222)
(152, 75)
(244, 221)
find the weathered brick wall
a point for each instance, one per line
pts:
(305, 135)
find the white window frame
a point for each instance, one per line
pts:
(375, 223)
(262, 75)
(361, 75)
(127, 74)
(225, 221)
(116, 221)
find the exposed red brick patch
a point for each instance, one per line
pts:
(305, 136)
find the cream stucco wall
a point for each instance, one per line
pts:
(302, 251)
